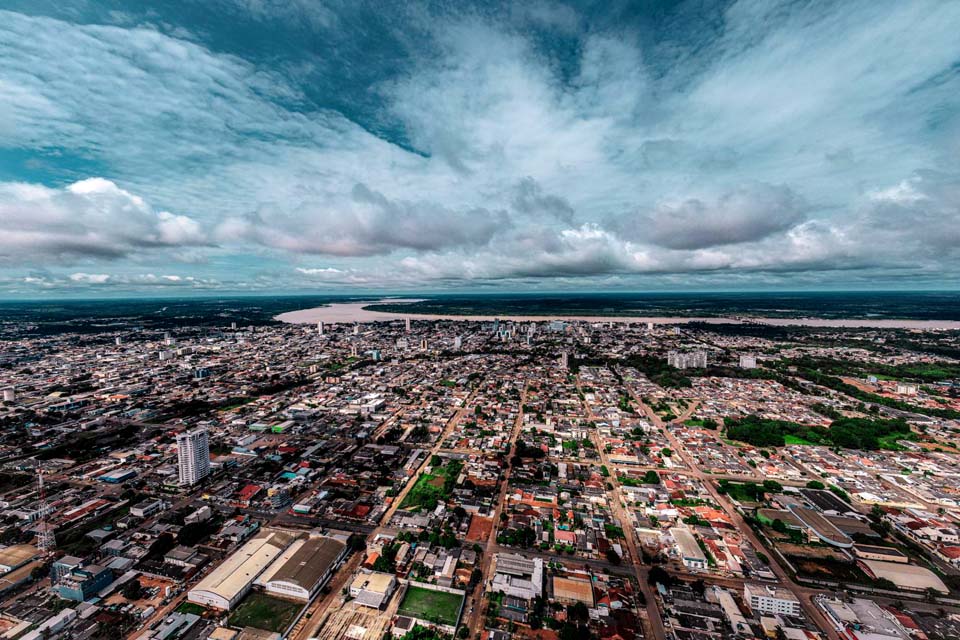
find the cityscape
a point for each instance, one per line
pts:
(480, 320)
(416, 478)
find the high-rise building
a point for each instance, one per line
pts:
(320, 328)
(748, 362)
(408, 325)
(687, 360)
(193, 456)
(564, 360)
(9, 394)
(457, 342)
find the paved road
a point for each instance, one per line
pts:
(309, 628)
(474, 620)
(654, 621)
(804, 594)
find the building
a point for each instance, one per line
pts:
(373, 588)
(63, 567)
(564, 360)
(771, 600)
(193, 456)
(906, 389)
(82, 583)
(687, 359)
(146, 508)
(518, 576)
(303, 569)
(908, 577)
(226, 585)
(861, 619)
(748, 362)
(571, 591)
(16, 556)
(690, 552)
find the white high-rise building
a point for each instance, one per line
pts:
(408, 325)
(564, 360)
(457, 342)
(193, 456)
(687, 360)
(748, 361)
(320, 328)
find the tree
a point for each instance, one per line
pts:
(651, 477)
(779, 526)
(772, 486)
(659, 575)
(133, 590)
(612, 556)
(816, 484)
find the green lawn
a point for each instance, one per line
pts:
(263, 612)
(789, 439)
(191, 607)
(432, 606)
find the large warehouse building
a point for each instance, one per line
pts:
(226, 585)
(303, 569)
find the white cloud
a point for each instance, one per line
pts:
(92, 218)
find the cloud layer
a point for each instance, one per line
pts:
(244, 145)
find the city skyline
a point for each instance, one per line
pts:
(297, 147)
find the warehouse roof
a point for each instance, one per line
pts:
(305, 562)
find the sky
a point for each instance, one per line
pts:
(274, 146)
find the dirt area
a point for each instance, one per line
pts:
(479, 529)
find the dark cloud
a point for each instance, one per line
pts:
(529, 198)
(746, 214)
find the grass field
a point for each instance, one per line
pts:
(432, 606)
(191, 607)
(789, 439)
(263, 612)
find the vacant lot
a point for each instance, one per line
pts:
(263, 612)
(432, 606)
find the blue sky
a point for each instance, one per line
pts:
(300, 145)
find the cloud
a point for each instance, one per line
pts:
(92, 218)
(529, 198)
(367, 223)
(476, 145)
(746, 214)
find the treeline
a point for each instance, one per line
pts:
(865, 396)
(846, 433)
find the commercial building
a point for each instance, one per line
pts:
(303, 569)
(690, 552)
(861, 619)
(16, 556)
(518, 576)
(193, 456)
(373, 588)
(83, 582)
(226, 585)
(772, 600)
(906, 576)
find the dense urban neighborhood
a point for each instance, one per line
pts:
(426, 479)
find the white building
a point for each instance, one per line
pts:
(748, 362)
(687, 359)
(193, 456)
(772, 600)
(518, 576)
(690, 552)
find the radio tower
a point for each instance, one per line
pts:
(46, 539)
